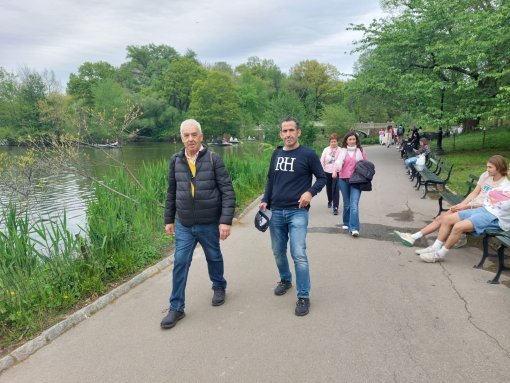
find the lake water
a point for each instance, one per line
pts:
(70, 192)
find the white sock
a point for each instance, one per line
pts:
(437, 244)
(417, 235)
(442, 252)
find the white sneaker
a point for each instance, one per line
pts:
(461, 242)
(431, 257)
(345, 227)
(405, 238)
(355, 233)
(429, 249)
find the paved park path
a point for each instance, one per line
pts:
(378, 313)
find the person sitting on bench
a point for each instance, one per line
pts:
(494, 176)
(494, 214)
(422, 150)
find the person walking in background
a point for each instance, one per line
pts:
(389, 136)
(288, 193)
(199, 208)
(495, 176)
(400, 134)
(494, 214)
(328, 158)
(350, 153)
(382, 133)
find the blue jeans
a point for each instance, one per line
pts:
(409, 163)
(186, 239)
(291, 224)
(350, 197)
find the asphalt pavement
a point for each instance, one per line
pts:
(378, 313)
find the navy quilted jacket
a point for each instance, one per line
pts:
(214, 200)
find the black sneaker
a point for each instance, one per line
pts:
(172, 318)
(330, 204)
(302, 306)
(219, 296)
(335, 211)
(282, 287)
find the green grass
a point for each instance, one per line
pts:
(469, 153)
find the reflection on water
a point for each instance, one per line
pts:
(69, 192)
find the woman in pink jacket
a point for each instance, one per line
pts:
(350, 153)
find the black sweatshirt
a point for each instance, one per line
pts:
(290, 175)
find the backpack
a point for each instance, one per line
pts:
(400, 131)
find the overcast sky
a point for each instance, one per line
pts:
(61, 35)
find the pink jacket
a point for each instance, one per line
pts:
(346, 168)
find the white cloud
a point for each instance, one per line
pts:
(61, 35)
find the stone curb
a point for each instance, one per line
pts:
(47, 336)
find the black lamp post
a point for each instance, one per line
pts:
(439, 147)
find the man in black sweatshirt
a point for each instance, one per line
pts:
(289, 191)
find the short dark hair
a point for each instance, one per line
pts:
(290, 119)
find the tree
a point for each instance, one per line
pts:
(214, 103)
(253, 98)
(267, 71)
(282, 106)
(313, 82)
(146, 65)
(110, 104)
(178, 81)
(445, 57)
(89, 74)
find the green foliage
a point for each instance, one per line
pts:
(89, 74)
(313, 83)
(282, 106)
(337, 119)
(178, 81)
(439, 60)
(214, 102)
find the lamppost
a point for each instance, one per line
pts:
(439, 147)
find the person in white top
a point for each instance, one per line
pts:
(494, 214)
(494, 176)
(328, 158)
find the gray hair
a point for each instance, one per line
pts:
(191, 122)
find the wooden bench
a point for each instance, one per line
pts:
(504, 238)
(454, 198)
(440, 176)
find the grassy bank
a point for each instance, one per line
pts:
(46, 272)
(469, 152)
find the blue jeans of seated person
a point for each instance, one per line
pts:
(285, 225)
(409, 163)
(186, 239)
(350, 198)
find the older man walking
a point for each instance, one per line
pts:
(199, 208)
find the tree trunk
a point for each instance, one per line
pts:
(469, 124)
